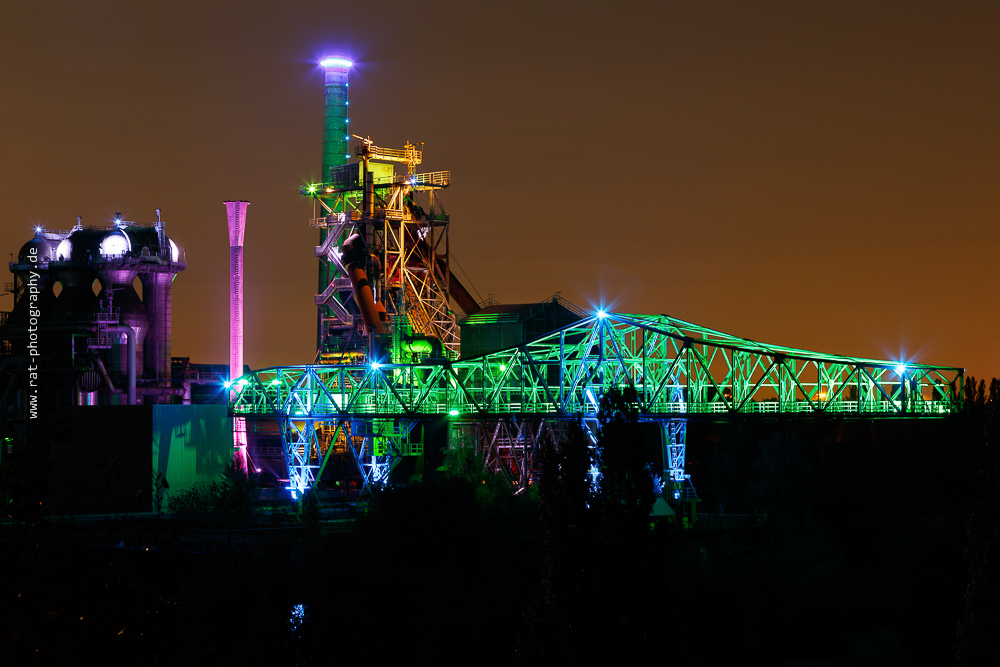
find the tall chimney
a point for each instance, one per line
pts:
(236, 212)
(336, 135)
(335, 120)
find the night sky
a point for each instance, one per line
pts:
(821, 175)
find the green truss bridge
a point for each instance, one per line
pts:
(508, 402)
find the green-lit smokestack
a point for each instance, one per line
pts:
(335, 106)
(335, 138)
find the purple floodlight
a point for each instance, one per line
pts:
(336, 61)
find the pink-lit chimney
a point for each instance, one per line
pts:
(236, 212)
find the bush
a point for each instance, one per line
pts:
(234, 497)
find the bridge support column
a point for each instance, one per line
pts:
(302, 455)
(681, 488)
(511, 447)
(378, 445)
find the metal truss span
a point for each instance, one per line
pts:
(680, 371)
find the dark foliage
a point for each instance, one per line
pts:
(596, 602)
(859, 533)
(979, 628)
(625, 489)
(233, 497)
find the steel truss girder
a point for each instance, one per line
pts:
(511, 447)
(676, 369)
(679, 371)
(376, 446)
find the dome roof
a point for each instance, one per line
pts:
(64, 250)
(115, 244)
(43, 249)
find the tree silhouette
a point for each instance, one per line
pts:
(625, 491)
(980, 624)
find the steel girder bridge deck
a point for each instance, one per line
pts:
(515, 398)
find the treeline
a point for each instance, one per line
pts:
(879, 529)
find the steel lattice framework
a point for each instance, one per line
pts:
(517, 397)
(409, 241)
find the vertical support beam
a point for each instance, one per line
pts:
(299, 445)
(562, 371)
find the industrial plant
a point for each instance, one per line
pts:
(408, 363)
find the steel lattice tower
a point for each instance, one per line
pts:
(404, 227)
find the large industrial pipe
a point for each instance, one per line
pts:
(161, 391)
(130, 352)
(429, 345)
(354, 254)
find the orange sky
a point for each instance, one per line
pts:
(819, 175)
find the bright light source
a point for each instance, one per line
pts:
(275, 381)
(376, 365)
(64, 250)
(115, 244)
(227, 384)
(38, 229)
(453, 412)
(336, 61)
(601, 314)
(900, 369)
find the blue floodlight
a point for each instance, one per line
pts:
(900, 369)
(376, 365)
(601, 314)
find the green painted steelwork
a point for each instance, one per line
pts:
(677, 368)
(336, 136)
(514, 398)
